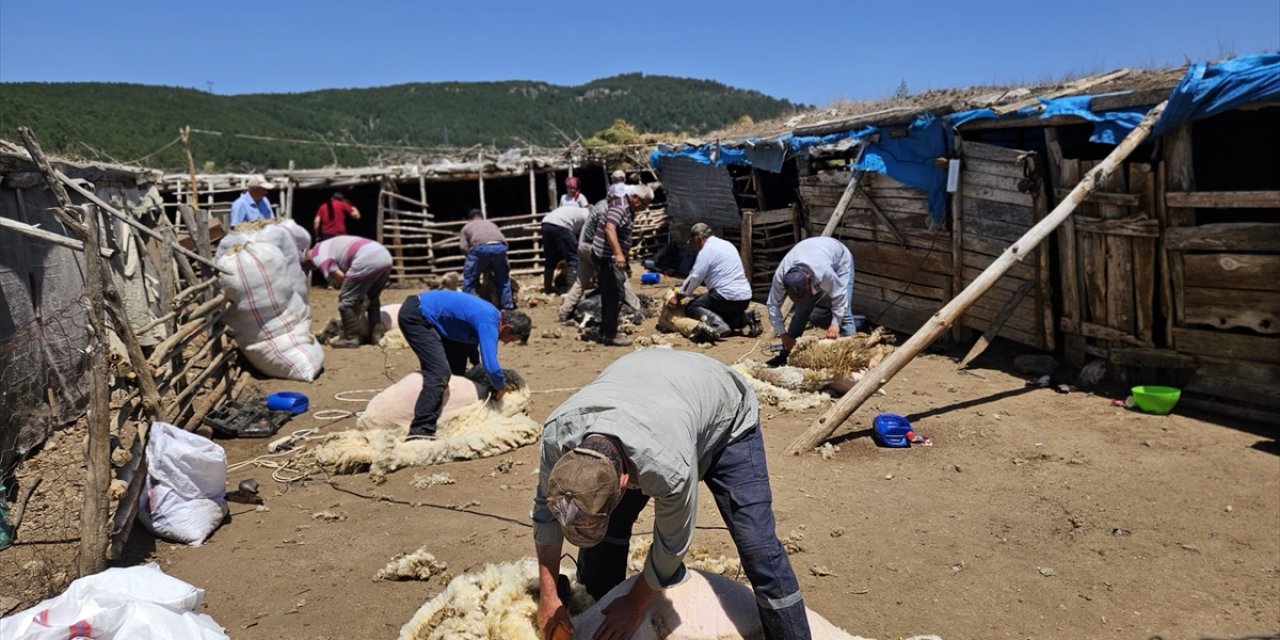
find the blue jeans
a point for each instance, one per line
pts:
(739, 480)
(438, 359)
(801, 312)
(490, 259)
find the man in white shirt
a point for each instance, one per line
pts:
(816, 272)
(560, 231)
(723, 307)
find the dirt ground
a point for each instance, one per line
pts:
(1033, 515)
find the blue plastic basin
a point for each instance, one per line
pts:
(891, 430)
(288, 401)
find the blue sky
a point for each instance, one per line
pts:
(812, 52)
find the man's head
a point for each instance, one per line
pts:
(258, 188)
(640, 197)
(340, 196)
(798, 281)
(572, 186)
(513, 326)
(584, 487)
(699, 234)
(474, 214)
(617, 176)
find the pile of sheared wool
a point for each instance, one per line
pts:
(698, 558)
(418, 565)
(500, 601)
(774, 395)
(478, 429)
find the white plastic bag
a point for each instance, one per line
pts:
(184, 498)
(133, 603)
(271, 318)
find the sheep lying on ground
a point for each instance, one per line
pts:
(674, 320)
(500, 601)
(816, 368)
(470, 427)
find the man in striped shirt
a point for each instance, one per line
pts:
(361, 267)
(609, 250)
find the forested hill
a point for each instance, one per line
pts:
(126, 122)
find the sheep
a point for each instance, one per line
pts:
(500, 601)
(471, 428)
(817, 367)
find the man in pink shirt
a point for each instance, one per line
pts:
(361, 267)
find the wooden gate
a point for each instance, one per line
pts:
(405, 228)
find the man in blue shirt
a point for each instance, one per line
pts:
(445, 329)
(253, 204)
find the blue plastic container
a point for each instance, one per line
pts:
(891, 430)
(288, 401)
(650, 277)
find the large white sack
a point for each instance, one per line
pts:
(133, 603)
(287, 236)
(184, 498)
(270, 317)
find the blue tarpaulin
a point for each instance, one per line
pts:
(1205, 90)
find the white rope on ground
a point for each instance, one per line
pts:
(331, 414)
(339, 396)
(556, 390)
(749, 352)
(281, 471)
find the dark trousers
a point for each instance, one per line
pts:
(722, 315)
(438, 358)
(611, 282)
(739, 480)
(491, 259)
(558, 243)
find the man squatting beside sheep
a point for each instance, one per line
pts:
(362, 268)
(445, 329)
(815, 272)
(652, 425)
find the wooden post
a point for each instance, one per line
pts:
(193, 198)
(745, 249)
(1179, 176)
(484, 210)
(997, 322)
(533, 188)
(553, 196)
(957, 240)
(94, 537)
(288, 195)
(838, 214)
(823, 427)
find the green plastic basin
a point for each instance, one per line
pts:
(1156, 399)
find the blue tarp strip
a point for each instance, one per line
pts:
(1205, 90)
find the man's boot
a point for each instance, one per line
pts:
(350, 338)
(754, 327)
(715, 324)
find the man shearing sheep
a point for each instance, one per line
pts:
(815, 272)
(651, 426)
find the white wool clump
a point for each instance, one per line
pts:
(393, 339)
(418, 565)
(776, 396)
(698, 558)
(425, 481)
(842, 355)
(494, 602)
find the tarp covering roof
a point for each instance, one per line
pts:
(1205, 89)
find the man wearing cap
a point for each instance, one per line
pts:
(651, 426)
(573, 194)
(486, 249)
(587, 268)
(445, 329)
(609, 250)
(331, 217)
(361, 267)
(252, 203)
(816, 270)
(618, 187)
(560, 230)
(724, 306)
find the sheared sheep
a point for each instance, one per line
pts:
(817, 367)
(471, 427)
(500, 601)
(777, 396)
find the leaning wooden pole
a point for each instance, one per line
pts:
(94, 536)
(826, 424)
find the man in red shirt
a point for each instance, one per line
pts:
(331, 217)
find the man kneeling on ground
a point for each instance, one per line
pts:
(723, 308)
(445, 329)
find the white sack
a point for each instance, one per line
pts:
(184, 498)
(271, 318)
(133, 603)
